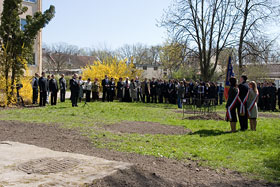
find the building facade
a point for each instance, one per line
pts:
(152, 71)
(33, 6)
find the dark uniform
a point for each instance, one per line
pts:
(53, 89)
(243, 118)
(120, 90)
(160, 90)
(43, 85)
(74, 88)
(35, 90)
(232, 92)
(106, 89)
(153, 86)
(112, 92)
(63, 86)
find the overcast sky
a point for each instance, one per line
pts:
(94, 23)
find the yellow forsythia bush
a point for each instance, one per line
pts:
(25, 92)
(114, 68)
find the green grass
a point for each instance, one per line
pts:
(255, 153)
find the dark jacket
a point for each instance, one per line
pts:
(231, 95)
(62, 84)
(35, 83)
(153, 86)
(53, 85)
(243, 90)
(43, 84)
(120, 89)
(74, 86)
(106, 85)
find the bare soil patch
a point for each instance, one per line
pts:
(142, 127)
(261, 114)
(269, 115)
(209, 116)
(147, 170)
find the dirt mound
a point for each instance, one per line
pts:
(142, 127)
(211, 116)
(135, 177)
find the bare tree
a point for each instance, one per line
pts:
(206, 25)
(254, 14)
(57, 56)
(140, 53)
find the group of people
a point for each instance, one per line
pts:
(268, 94)
(48, 86)
(242, 97)
(149, 91)
(159, 91)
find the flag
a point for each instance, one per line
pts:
(230, 74)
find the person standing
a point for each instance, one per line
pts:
(126, 90)
(53, 89)
(160, 91)
(35, 88)
(252, 106)
(95, 90)
(138, 88)
(242, 105)
(106, 88)
(145, 89)
(133, 90)
(74, 88)
(153, 86)
(120, 89)
(170, 91)
(43, 85)
(81, 90)
(62, 86)
(48, 89)
(221, 90)
(88, 87)
(164, 91)
(233, 94)
(180, 93)
(112, 92)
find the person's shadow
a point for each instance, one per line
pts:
(205, 133)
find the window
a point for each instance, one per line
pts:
(144, 67)
(155, 68)
(22, 24)
(32, 1)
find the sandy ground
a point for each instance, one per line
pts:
(146, 170)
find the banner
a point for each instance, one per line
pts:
(230, 74)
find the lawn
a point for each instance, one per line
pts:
(254, 153)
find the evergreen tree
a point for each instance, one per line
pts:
(17, 44)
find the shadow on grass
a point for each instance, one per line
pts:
(205, 133)
(273, 162)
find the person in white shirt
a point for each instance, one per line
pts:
(88, 86)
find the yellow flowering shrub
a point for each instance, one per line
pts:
(25, 92)
(114, 68)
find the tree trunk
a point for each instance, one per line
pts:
(242, 37)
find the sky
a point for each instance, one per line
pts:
(106, 23)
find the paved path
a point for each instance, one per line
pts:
(25, 165)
